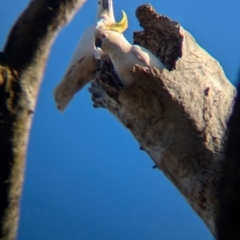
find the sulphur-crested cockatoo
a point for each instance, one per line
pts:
(123, 54)
(83, 65)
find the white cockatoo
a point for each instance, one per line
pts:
(83, 65)
(123, 54)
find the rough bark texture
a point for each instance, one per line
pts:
(22, 66)
(179, 115)
(228, 224)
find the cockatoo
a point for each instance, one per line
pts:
(123, 54)
(83, 65)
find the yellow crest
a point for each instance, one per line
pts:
(120, 26)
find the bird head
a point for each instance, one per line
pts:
(110, 34)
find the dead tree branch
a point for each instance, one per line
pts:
(179, 116)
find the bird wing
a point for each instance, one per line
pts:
(83, 65)
(146, 57)
(80, 71)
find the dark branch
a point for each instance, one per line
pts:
(228, 222)
(22, 66)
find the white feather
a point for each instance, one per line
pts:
(82, 67)
(125, 55)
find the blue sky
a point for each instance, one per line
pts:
(85, 176)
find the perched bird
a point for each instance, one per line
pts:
(83, 65)
(123, 54)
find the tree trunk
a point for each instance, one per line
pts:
(179, 116)
(22, 66)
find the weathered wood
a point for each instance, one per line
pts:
(179, 115)
(22, 66)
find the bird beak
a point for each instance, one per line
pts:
(120, 26)
(98, 43)
(105, 5)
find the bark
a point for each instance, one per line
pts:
(22, 65)
(228, 221)
(179, 116)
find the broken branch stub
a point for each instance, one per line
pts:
(178, 115)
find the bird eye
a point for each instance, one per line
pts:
(99, 3)
(103, 35)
